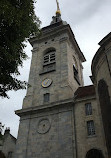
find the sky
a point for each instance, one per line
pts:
(90, 22)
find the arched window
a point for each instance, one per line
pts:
(75, 70)
(49, 61)
(94, 153)
(10, 154)
(76, 75)
(49, 57)
(75, 63)
(105, 106)
(2, 155)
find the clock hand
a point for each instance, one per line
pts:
(46, 81)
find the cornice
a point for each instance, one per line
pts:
(57, 31)
(105, 40)
(85, 99)
(102, 50)
(44, 107)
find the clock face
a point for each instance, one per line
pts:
(43, 126)
(46, 83)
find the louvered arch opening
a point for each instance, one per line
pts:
(49, 56)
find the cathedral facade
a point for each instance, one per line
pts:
(62, 118)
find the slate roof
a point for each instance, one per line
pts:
(85, 91)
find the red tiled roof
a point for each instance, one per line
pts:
(85, 91)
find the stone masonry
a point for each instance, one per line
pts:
(53, 123)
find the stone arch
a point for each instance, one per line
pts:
(2, 155)
(94, 153)
(49, 50)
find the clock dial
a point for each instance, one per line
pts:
(46, 83)
(43, 126)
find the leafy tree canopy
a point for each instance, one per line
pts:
(17, 23)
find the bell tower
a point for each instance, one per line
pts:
(47, 119)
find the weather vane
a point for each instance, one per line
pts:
(58, 9)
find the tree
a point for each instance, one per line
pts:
(17, 23)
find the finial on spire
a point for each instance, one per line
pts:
(57, 18)
(58, 9)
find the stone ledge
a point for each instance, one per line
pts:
(41, 108)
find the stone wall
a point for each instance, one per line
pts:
(83, 141)
(101, 76)
(49, 133)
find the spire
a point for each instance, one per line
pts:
(57, 18)
(58, 12)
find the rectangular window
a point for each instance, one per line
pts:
(46, 97)
(90, 128)
(88, 109)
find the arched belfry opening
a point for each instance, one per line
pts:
(94, 153)
(49, 60)
(2, 155)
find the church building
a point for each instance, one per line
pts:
(60, 117)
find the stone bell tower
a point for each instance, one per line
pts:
(47, 119)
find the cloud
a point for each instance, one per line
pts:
(83, 10)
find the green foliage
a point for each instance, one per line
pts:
(17, 23)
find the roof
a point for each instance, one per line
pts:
(85, 91)
(106, 39)
(103, 43)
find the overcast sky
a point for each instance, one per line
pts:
(90, 21)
